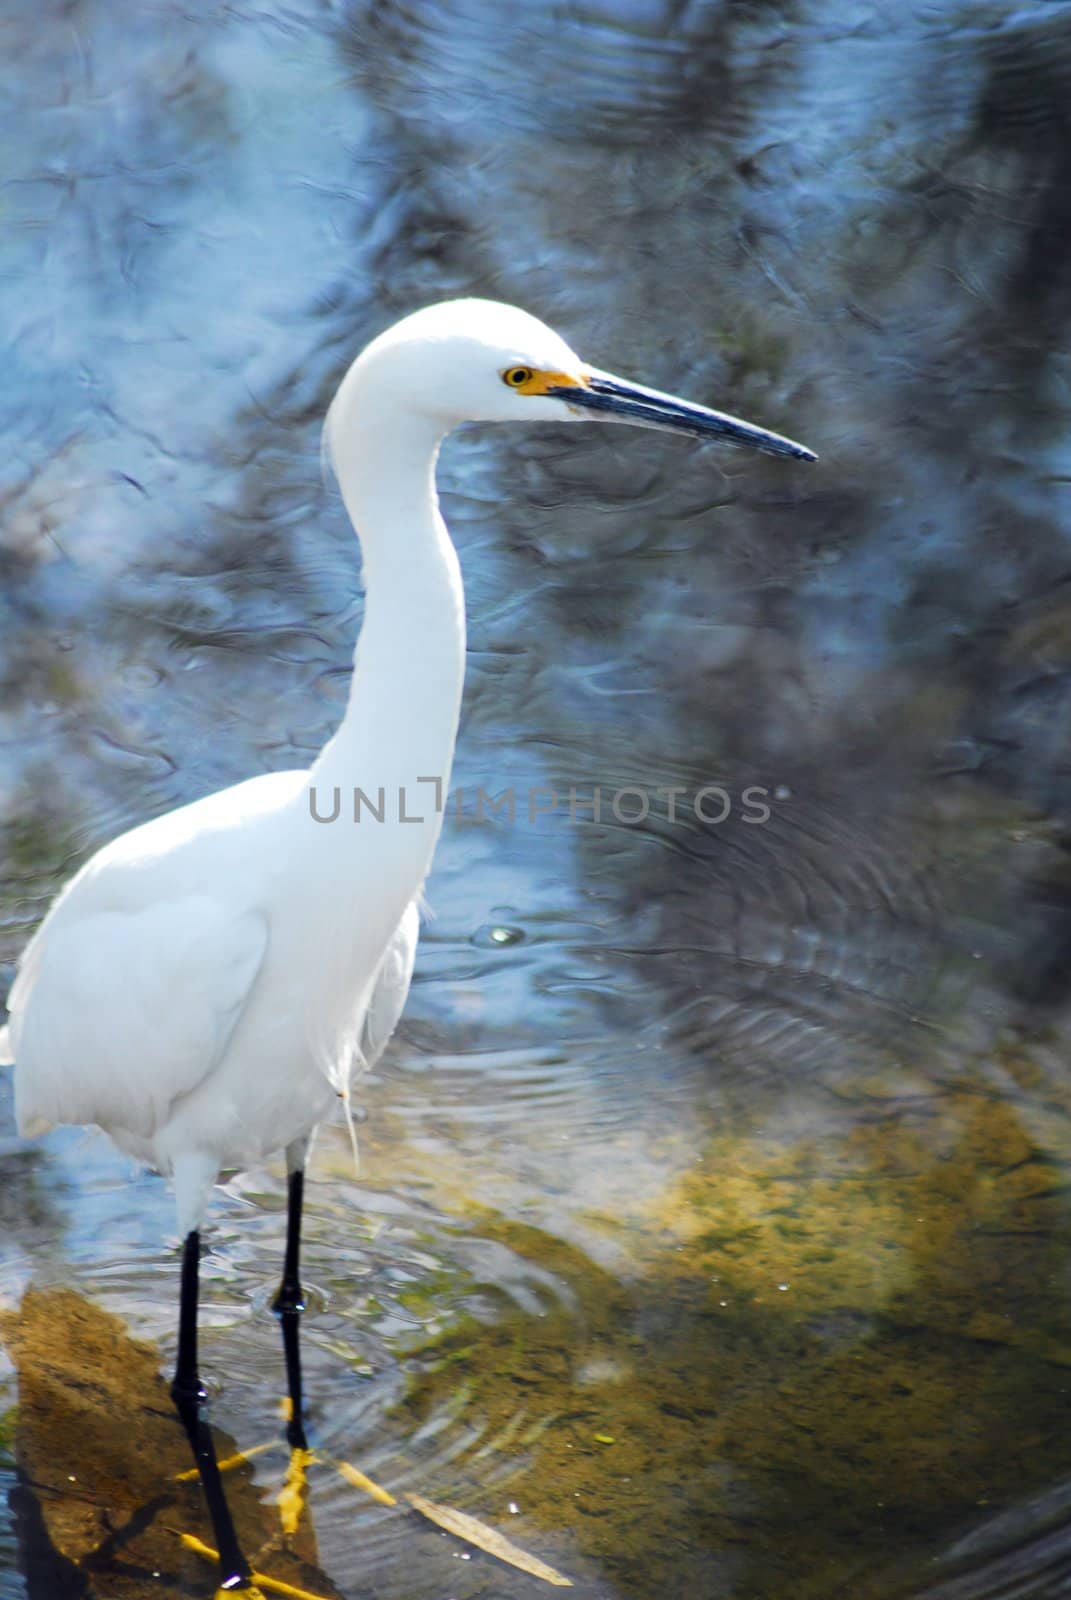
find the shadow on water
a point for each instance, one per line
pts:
(712, 1235)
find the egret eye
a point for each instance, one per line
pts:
(517, 377)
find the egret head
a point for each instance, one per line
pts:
(481, 361)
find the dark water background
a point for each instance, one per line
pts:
(715, 1202)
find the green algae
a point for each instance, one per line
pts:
(827, 1354)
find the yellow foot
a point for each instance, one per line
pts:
(262, 1586)
(291, 1497)
(228, 1463)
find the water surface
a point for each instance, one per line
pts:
(713, 1209)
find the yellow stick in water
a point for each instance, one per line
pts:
(359, 1481)
(473, 1531)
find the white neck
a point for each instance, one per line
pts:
(405, 695)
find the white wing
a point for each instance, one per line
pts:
(118, 1013)
(392, 986)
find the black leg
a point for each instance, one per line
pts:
(288, 1305)
(187, 1390)
(187, 1393)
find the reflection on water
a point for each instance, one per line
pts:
(714, 1203)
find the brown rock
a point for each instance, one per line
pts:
(99, 1449)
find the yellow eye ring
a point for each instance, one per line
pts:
(517, 377)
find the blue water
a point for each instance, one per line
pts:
(742, 1146)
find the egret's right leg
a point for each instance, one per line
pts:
(289, 1303)
(235, 1574)
(288, 1306)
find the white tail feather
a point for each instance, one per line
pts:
(344, 1096)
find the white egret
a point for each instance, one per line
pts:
(205, 986)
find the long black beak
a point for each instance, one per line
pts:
(631, 402)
